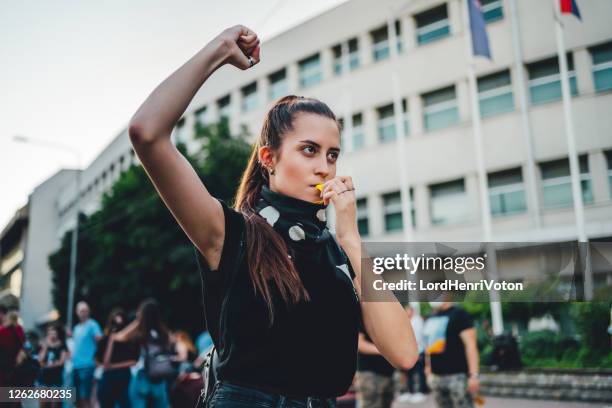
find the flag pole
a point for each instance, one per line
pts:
(400, 133)
(494, 298)
(572, 153)
(533, 195)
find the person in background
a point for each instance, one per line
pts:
(116, 358)
(185, 350)
(451, 362)
(52, 356)
(12, 338)
(85, 337)
(149, 332)
(419, 368)
(374, 377)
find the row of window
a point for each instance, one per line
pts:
(431, 25)
(440, 107)
(105, 179)
(449, 201)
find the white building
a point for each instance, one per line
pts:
(439, 153)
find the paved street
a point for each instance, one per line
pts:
(512, 403)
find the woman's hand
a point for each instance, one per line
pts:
(341, 192)
(237, 44)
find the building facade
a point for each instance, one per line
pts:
(525, 147)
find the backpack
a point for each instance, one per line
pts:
(158, 364)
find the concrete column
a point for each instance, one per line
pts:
(462, 93)
(376, 214)
(598, 169)
(415, 111)
(455, 16)
(584, 71)
(365, 48)
(327, 63)
(263, 91)
(235, 111)
(293, 79)
(408, 33)
(473, 198)
(369, 126)
(421, 205)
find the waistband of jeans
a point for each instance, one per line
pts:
(276, 391)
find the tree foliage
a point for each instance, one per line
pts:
(132, 247)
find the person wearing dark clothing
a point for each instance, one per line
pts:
(282, 293)
(451, 356)
(116, 358)
(375, 387)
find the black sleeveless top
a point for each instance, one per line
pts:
(311, 347)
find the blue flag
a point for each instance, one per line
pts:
(480, 39)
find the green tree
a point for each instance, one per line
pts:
(132, 248)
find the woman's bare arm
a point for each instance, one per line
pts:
(198, 213)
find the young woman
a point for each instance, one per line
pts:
(288, 311)
(115, 358)
(150, 333)
(52, 357)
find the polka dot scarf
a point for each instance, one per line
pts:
(303, 225)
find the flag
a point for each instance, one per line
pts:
(480, 39)
(570, 6)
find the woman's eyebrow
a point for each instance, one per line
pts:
(318, 145)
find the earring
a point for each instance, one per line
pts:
(273, 172)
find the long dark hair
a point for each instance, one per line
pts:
(149, 318)
(111, 326)
(266, 250)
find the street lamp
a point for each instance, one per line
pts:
(75, 233)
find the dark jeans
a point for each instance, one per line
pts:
(113, 388)
(419, 369)
(228, 395)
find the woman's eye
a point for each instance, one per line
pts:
(333, 156)
(308, 149)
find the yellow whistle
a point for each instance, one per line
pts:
(320, 188)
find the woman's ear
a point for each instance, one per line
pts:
(266, 157)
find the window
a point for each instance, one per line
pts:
(392, 204)
(362, 216)
(358, 132)
(249, 97)
(557, 183)
(432, 25)
(380, 42)
(448, 202)
(609, 160)
(545, 80)
(602, 66)
(492, 10)
(386, 122)
(201, 116)
(495, 94)
(310, 71)
(224, 107)
(353, 56)
(278, 84)
(506, 192)
(440, 109)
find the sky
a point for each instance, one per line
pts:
(73, 72)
